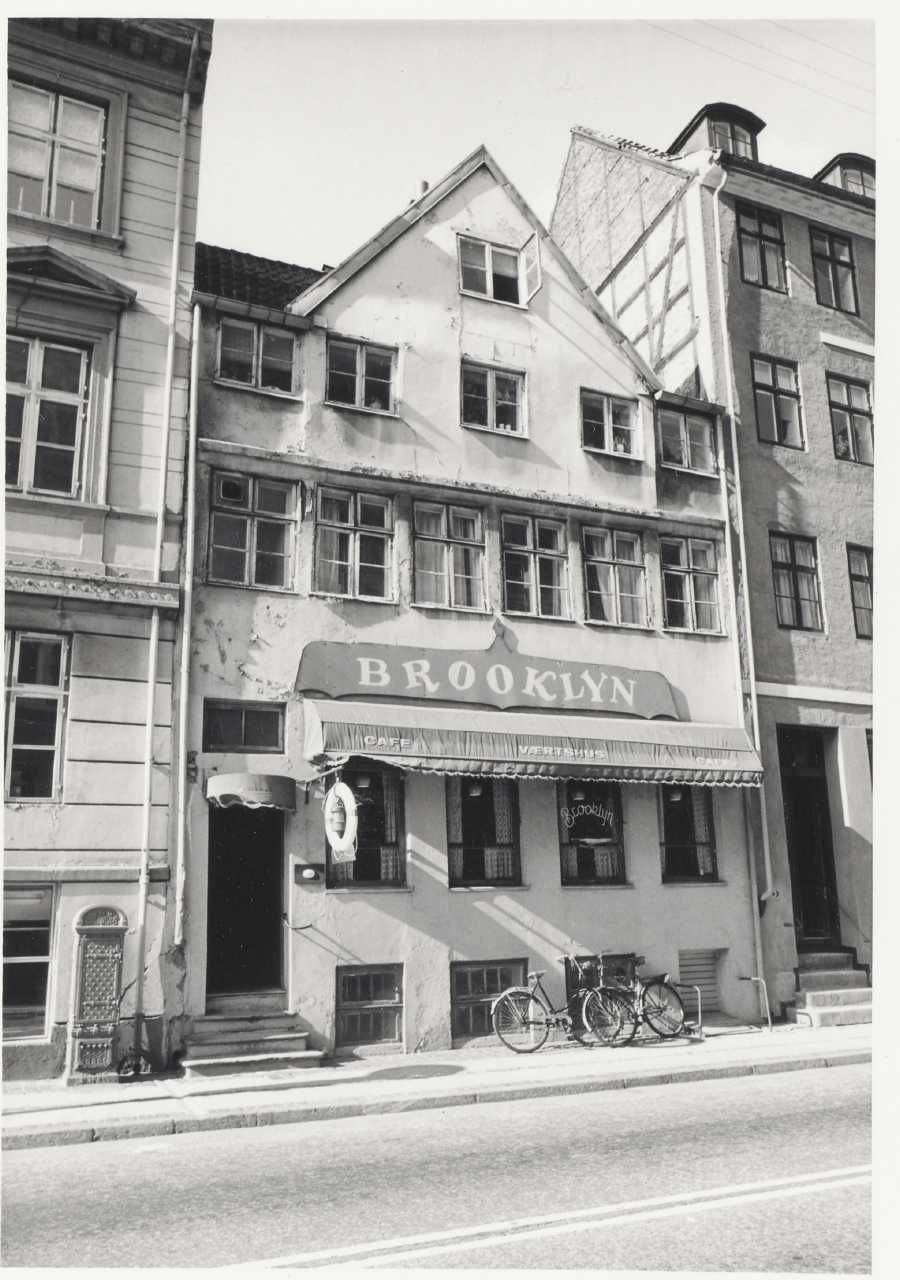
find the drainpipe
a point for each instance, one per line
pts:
(180, 772)
(769, 891)
(146, 808)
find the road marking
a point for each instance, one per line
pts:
(573, 1219)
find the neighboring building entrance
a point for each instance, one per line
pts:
(808, 827)
(245, 904)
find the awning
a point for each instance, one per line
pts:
(453, 740)
(255, 790)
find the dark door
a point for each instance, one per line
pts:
(808, 826)
(244, 924)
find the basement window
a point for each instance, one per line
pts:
(369, 1005)
(474, 988)
(27, 920)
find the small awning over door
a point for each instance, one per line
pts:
(254, 790)
(452, 740)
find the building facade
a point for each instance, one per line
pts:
(439, 558)
(104, 139)
(755, 286)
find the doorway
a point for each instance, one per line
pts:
(807, 821)
(245, 900)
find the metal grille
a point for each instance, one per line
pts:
(100, 963)
(699, 969)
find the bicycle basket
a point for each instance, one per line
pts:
(618, 968)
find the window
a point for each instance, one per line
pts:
(492, 271)
(449, 556)
(27, 917)
(761, 246)
(353, 545)
(590, 833)
(860, 181)
(796, 581)
(493, 399)
(251, 532)
(473, 989)
(369, 1004)
(257, 356)
(731, 137)
(688, 441)
(482, 831)
(609, 424)
(56, 155)
(381, 829)
(46, 403)
(851, 419)
(614, 577)
(243, 726)
(690, 584)
(35, 696)
(689, 847)
(777, 396)
(832, 258)
(361, 375)
(859, 561)
(535, 567)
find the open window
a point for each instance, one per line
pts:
(498, 272)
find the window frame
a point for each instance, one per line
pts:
(695, 845)
(616, 563)
(731, 127)
(524, 269)
(15, 690)
(587, 394)
(862, 174)
(372, 1005)
(535, 554)
(355, 529)
(244, 749)
(493, 372)
(685, 417)
(361, 347)
(565, 802)
(513, 848)
(350, 774)
(11, 890)
(869, 580)
(33, 395)
(833, 261)
(461, 1004)
(449, 541)
(851, 412)
(259, 332)
(254, 517)
(761, 238)
(774, 390)
(793, 569)
(688, 571)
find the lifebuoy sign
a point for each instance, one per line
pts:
(341, 820)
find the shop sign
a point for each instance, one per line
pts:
(498, 677)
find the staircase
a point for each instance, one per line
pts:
(832, 990)
(228, 1043)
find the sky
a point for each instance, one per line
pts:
(348, 117)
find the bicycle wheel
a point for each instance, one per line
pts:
(582, 1030)
(663, 1010)
(630, 1021)
(603, 1015)
(520, 1020)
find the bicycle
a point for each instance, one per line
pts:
(651, 1000)
(523, 1016)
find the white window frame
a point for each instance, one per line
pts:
(609, 402)
(685, 419)
(449, 541)
(493, 371)
(32, 393)
(254, 516)
(360, 349)
(535, 554)
(16, 690)
(11, 890)
(355, 529)
(259, 332)
(56, 142)
(688, 571)
(528, 260)
(615, 562)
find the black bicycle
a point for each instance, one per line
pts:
(523, 1016)
(653, 1000)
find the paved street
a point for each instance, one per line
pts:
(759, 1173)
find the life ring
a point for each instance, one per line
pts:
(345, 841)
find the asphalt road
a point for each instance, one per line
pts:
(765, 1173)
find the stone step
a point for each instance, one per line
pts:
(195, 1068)
(228, 1047)
(241, 1002)
(836, 1016)
(826, 979)
(255, 1023)
(824, 999)
(825, 960)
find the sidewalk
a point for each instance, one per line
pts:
(47, 1113)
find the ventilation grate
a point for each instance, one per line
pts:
(700, 969)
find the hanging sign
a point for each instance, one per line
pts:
(341, 820)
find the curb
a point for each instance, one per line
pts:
(31, 1136)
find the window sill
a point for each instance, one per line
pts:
(488, 888)
(689, 471)
(767, 288)
(369, 888)
(594, 884)
(499, 302)
(538, 617)
(16, 498)
(450, 608)
(841, 311)
(701, 882)
(690, 631)
(856, 462)
(494, 431)
(612, 453)
(360, 408)
(293, 396)
(332, 595)
(87, 235)
(780, 444)
(620, 626)
(250, 586)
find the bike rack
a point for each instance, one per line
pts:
(762, 983)
(692, 1030)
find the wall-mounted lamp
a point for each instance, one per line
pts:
(579, 795)
(363, 782)
(475, 788)
(309, 872)
(675, 794)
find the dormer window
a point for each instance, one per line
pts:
(726, 135)
(859, 181)
(851, 172)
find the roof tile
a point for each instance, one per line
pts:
(245, 277)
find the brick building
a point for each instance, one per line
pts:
(754, 286)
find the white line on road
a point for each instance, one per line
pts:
(627, 1209)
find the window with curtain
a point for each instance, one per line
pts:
(590, 833)
(482, 831)
(381, 829)
(796, 579)
(689, 846)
